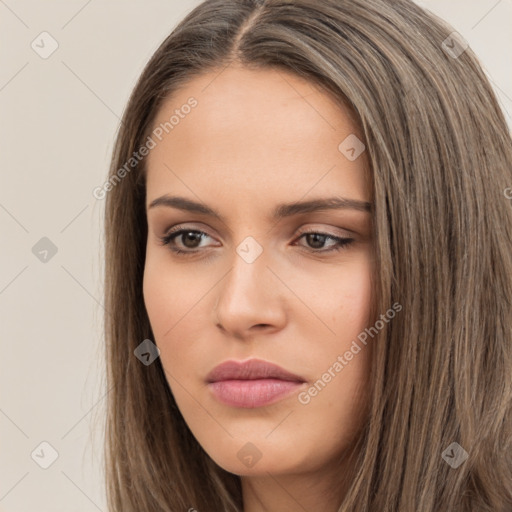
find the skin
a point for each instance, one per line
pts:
(255, 139)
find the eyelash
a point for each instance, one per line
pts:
(342, 243)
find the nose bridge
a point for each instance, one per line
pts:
(248, 275)
(248, 295)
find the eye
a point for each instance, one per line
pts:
(190, 240)
(317, 239)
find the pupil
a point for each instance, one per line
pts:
(190, 236)
(316, 239)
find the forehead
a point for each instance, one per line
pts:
(252, 132)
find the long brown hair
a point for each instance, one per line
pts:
(441, 158)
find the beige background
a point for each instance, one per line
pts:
(59, 117)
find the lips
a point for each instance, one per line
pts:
(252, 383)
(250, 370)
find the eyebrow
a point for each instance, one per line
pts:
(280, 211)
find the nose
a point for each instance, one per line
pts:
(250, 299)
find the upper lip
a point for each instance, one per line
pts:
(250, 370)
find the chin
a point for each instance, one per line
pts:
(246, 458)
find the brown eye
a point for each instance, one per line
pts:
(189, 239)
(316, 241)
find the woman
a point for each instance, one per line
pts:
(309, 267)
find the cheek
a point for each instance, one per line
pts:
(346, 305)
(342, 299)
(357, 296)
(168, 295)
(158, 298)
(177, 305)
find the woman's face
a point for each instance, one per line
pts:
(260, 148)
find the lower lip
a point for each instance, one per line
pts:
(252, 393)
